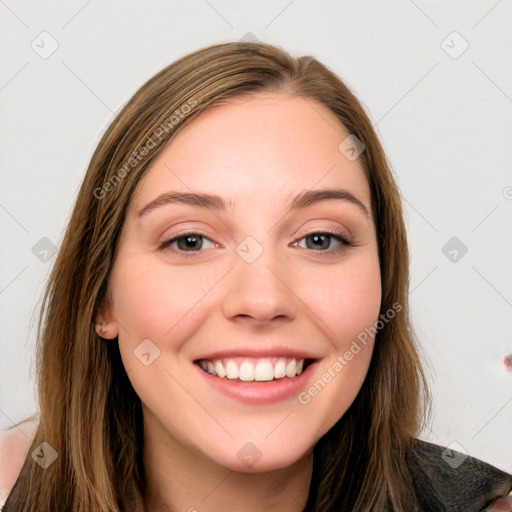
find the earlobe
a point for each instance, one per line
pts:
(105, 324)
(106, 331)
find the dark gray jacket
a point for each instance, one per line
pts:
(450, 481)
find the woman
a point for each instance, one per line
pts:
(226, 325)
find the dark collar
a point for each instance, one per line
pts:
(450, 481)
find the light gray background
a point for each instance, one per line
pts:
(444, 120)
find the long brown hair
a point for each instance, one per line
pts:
(89, 412)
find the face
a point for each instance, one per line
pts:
(248, 287)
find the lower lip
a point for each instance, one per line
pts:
(259, 393)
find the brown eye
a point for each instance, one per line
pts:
(190, 242)
(186, 243)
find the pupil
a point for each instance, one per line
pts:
(322, 238)
(191, 242)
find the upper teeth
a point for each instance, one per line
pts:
(248, 369)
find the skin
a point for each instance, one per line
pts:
(14, 445)
(257, 152)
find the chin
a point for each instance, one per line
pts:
(251, 458)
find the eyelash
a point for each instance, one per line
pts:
(344, 241)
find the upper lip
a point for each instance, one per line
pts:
(262, 352)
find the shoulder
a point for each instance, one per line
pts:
(14, 445)
(446, 479)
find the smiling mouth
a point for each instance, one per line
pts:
(246, 369)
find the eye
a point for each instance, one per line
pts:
(191, 242)
(186, 242)
(321, 241)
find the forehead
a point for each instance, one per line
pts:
(252, 147)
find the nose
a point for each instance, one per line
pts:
(260, 292)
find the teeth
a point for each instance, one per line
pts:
(291, 368)
(280, 369)
(231, 370)
(247, 371)
(263, 371)
(219, 369)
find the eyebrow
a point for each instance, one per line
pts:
(215, 202)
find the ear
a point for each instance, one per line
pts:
(105, 322)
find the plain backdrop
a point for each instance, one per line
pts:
(436, 78)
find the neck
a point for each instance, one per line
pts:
(181, 479)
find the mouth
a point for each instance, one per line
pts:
(257, 381)
(255, 369)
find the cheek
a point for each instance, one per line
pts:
(348, 305)
(151, 300)
(347, 302)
